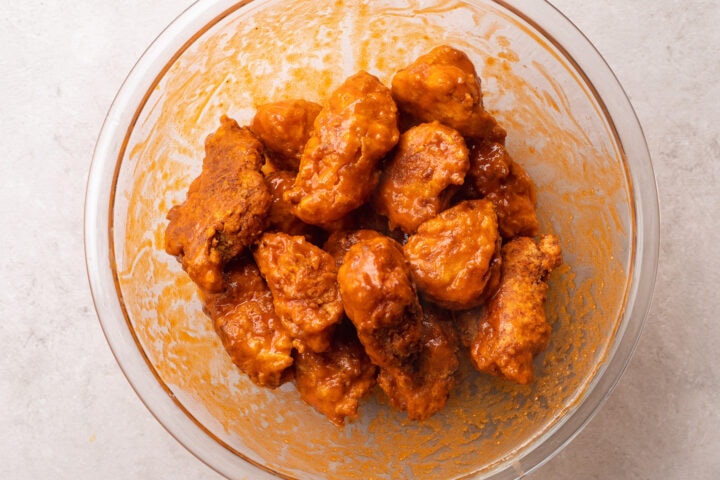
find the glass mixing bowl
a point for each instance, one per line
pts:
(569, 123)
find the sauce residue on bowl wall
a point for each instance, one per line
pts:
(556, 130)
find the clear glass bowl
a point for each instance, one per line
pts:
(569, 123)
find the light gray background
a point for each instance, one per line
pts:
(67, 412)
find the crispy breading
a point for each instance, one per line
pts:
(334, 381)
(494, 175)
(513, 328)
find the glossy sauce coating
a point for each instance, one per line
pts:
(453, 256)
(424, 382)
(244, 318)
(494, 175)
(225, 208)
(416, 184)
(284, 127)
(443, 85)
(352, 133)
(280, 216)
(340, 241)
(335, 381)
(342, 317)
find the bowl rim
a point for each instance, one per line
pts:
(559, 31)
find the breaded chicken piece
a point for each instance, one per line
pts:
(302, 279)
(334, 381)
(225, 208)
(513, 328)
(423, 385)
(417, 183)
(494, 175)
(380, 300)
(415, 350)
(443, 85)
(454, 257)
(245, 320)
(284, 128)
(352, 133)
(280, 216)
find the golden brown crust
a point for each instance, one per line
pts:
(225, 208)
(513, 328)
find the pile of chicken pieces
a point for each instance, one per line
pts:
(370, 241)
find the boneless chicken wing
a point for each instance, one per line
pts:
(424, 383)
(303, 281)
(494, 175)
(225, 208)
(334, 381)
(416, 184)
(513, 328)
(443, 85)
(284, 127)
(245, 321)
(416, 355)
(352, 132)
(280, 216)
(454, 257)
(380, 300)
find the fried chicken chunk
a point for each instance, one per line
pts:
(284, 127)
(416, 352)
(423, 385)
(443, 85)
(380, 300)
(245, 320)
(302, 279)
(337, 170)
(415, 185)
(496, 176)
(454, 257)
(225, 208)
(280, 216)
(334, 381)
(513, 328)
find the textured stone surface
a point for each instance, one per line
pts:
(66, 411)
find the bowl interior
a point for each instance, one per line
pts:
(256, 52)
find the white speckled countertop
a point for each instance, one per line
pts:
(66, 411)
